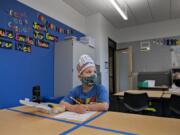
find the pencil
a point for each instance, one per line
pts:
(75, 100)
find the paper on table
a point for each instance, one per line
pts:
(75, 116)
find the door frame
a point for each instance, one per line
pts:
(130, 68)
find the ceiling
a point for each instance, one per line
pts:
(139, 11)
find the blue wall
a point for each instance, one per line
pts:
(19, 71)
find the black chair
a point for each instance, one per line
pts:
(136, 102)
(174, 105)
(177, 82)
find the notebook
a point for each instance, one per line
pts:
(75, 116)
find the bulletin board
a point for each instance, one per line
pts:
(27, 39)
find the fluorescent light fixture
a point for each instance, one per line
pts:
(114, 3)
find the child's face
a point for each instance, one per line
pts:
(89, 71)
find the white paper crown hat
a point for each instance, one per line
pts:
(85, 61)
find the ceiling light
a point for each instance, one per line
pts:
(121, 12)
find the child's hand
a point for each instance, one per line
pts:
(92, 103)
(79, 108)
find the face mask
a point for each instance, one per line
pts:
(90, 80)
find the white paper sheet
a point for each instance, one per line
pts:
(75, 116)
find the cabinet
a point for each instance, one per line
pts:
(66, 56)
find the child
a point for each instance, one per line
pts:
(176, 80)
(88, 96)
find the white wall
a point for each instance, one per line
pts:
(150, 31)
(99, 28)
(60, 11)
(92, 23)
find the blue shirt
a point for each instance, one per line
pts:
(98, 93)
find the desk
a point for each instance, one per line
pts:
(156, 88)
(23, 122)
(138, 124)
(167, 94)
(15, 123)
(151, 94)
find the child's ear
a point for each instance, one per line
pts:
(80, 77)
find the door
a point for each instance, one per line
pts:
(111, 50)
(124, 78)
(63, 62)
